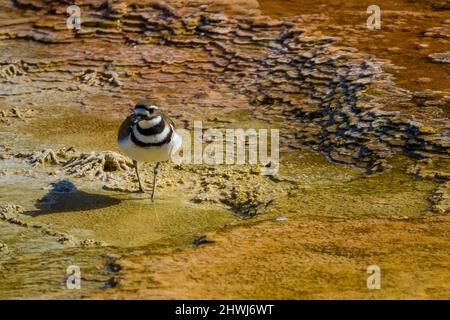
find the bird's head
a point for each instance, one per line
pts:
(145, 110)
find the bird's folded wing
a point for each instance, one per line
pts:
(125, 128)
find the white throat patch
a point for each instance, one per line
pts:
(147, 124)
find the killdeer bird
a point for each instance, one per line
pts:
(148, 135)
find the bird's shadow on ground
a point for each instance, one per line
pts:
(65, 197)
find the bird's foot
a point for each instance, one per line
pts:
(142, 190)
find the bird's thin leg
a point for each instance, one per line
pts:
(135, 163)
(155, 172)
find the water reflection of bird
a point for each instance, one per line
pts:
(148, 135)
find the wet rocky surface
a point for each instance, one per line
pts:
(306, 258)
(64, 92)
(410, 31)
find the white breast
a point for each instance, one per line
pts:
(151, 154)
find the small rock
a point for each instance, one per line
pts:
(85, 243)
(394, 49)
(423, 80)
(422, 46)
(199, 241)
(441, 57)
(3, 248)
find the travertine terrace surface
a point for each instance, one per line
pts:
(365, 154)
